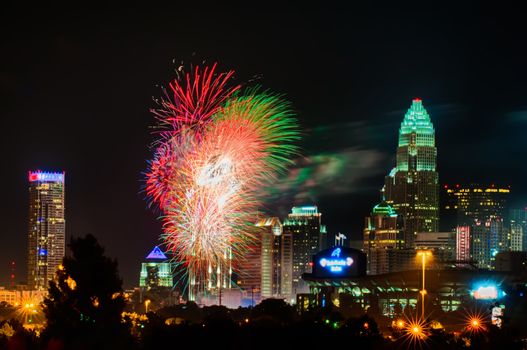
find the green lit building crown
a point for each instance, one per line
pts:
(383, 209)
(412, 187)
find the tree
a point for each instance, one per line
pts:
(85, 301)
(276, 309)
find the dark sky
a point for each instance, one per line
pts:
(76, 87)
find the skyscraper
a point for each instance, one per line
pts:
(266, 270)
(47, 226)
(482, 209)
(156, 271)
(412, 186)
(303, 224)
(463, 243)
(382, 233)
(518, 228)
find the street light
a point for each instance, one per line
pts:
(147, 302)
(424, 254)
(415, 331)
(475, 323)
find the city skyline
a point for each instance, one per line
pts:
(358, 136)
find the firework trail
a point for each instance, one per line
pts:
(219, 149)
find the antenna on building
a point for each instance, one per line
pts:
(12, 279)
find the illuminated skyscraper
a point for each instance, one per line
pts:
(266, 271)
(412, 186)
(463, 243)
(304, 225)
(382, 232)
(482, 209)
(156, 271)
(518, 229)
(47, 226)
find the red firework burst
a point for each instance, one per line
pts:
(195, 97)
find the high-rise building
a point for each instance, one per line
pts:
(518, 227)
(156, 271)
(474, 203)
(382, 232)
(304, 226)
(516, 237)
(47, 227)
(411, 188)
(266, 271)
(463, 243)
(482, 208)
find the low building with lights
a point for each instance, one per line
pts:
(334, 282)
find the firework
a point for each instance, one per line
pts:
(193, 98)
(211, 165)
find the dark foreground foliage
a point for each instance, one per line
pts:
(84, 311)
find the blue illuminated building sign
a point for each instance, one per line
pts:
(336, 263)
(42, 252)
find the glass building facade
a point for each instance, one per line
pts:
(382, 233)
(47, 227)
(303, 224)
(482, 210)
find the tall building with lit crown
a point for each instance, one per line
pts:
(304, 226)
(266, 271)
(156, 271)
(480, 210)
(47, 227)
(382, 233)
(412, 186)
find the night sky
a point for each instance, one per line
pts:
(76, 88)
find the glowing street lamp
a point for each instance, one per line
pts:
(415, 331)
(423, 254)
(147, 302)
(475, 323)
(400, 324)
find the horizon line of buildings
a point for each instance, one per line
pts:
(475, 227)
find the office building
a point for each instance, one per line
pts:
(303, 224)
(463, 243)
(411, 188)
(518, 227)
(47, 227)
(382, 233)
(266, 271)
(156, 271)
(516, 237)
(482, 208)
(442, 244)
(475, 203)
(277, 259)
